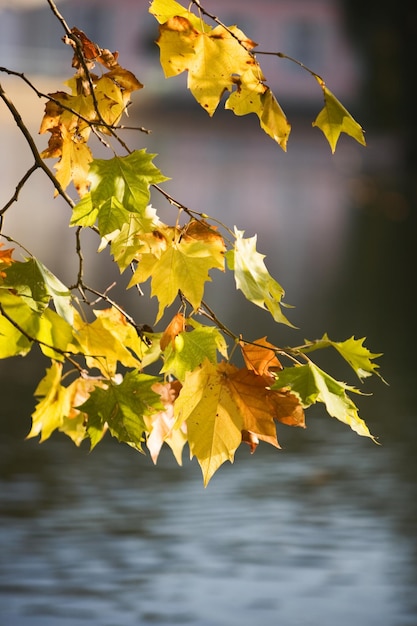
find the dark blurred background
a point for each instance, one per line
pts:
(324, 530)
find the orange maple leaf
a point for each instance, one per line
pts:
(251, 395)
(174, 328)
(260, 356)
(5, 258)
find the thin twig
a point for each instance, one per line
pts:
(19, 186)
(38, 159)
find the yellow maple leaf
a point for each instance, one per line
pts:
(334, 119)
(53, 405)
(213, 420)
(107, 340)
(261, 101)
(213, 59)
(181, 264)
(74, 165)
(223, 405)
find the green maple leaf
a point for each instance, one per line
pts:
(253, 278)
(334, 119)
(122, 408)
(352, 350)
(37, 285)
(49, 328)
(125, 178)
(111, 216)
(192, 348)
(84, 213)
(310, 384)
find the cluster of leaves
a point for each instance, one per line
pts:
(98, 380)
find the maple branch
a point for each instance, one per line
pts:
(91, 123)
(103, 296)
(282, 55)
(220, 23)
(38, 159)
(209, 313)
(87, 73)
(18, 189)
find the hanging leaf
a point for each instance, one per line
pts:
(310, 384)
(48, 328)
(261, 101)
(127, 179)
(189, 349)
(107, 341)
(213, 420)
(122, 408)
(161, 425)
(218, 60)
(260, 356)
(352, 350)
(163, 10)
(334, 119)
(253, 278)
(181, 262)
(52, 406)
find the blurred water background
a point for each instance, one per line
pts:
(324, 530)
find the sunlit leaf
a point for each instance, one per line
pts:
(48, 328)
(253, 278)
(125, 178)
(189, 349)
(311, 385)
(182, 263)
(334, 119)
(107, 341)
(163, 10)
(263, 103)
(161, 424)
(214, 422)
(122, 407)
(352, 350)
(54, 403)
(260, 356)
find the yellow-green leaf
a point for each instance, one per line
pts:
(53, 405)
(189, 349)
(310, 384)
(253, 278)
(334, 119)
(352, 350)
(261, 101)
(181, 264)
